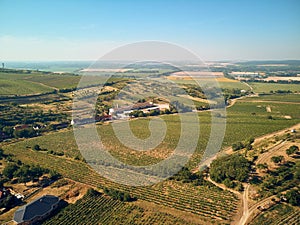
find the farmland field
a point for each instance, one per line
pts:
(248, 117)
(223, 82)
(277, 97)
(21, 87)
(279, 214)
(32, 83)
(185, 197)
(104, 210)
(244, 120)
(267, 87)
(56, 81)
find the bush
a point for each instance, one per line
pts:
(237, 146)
(118, 195)
(37, 148)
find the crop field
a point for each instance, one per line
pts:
(20, 84)
(244, 120)
(207, 203)
(279, 214)
(103, 210)
(277, 97)
(21, 87)
(250, 119)
(37, 82)
(223, 82)
(267, 87)
(56, 81)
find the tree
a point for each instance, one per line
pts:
(233, 167)
(262, 166)
(54, 175)
(277, 159)
(23, 174)
(251, 140)
(237, 146)
(229, 183)
(292, 150)
(1, 153)
(9, 170)
(293, 197)
(8, 130)
(239, 186)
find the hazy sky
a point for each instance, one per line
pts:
(85, 30)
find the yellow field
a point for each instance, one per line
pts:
(219, 79)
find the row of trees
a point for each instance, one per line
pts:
(25, 173)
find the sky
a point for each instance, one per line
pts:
(212, 29)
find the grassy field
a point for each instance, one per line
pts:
(267, 87)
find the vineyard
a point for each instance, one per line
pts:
(100, 209)
(267, 87)
(277, 97)
(207, 203)
(252, 115)
(279, 214)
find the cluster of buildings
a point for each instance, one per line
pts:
(145, 107)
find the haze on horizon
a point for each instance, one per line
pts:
(86, 30)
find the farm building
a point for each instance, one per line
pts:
(146, 107)
(37, 210)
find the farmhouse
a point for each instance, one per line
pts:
(37, 210)
(146, 107)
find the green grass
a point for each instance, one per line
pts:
(267, 87)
